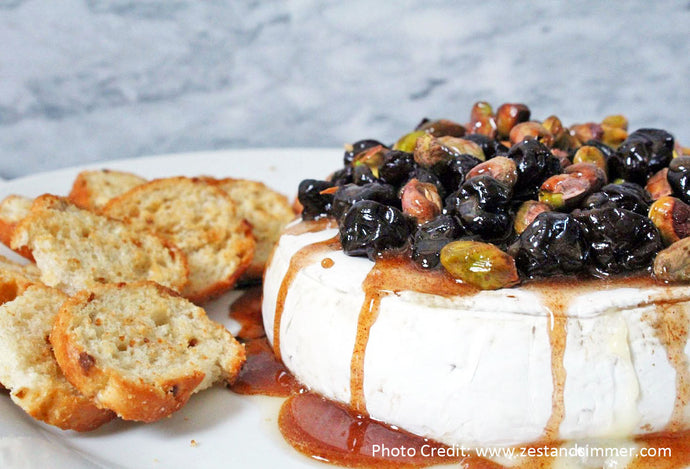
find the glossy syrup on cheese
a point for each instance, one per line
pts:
(301, 259)
(330, 432)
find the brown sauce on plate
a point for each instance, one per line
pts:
(338, 434)
(246, 310)
(263, 374)
(333, 433)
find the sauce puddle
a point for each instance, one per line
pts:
(263, 374)
(246, 310)
(332, 433)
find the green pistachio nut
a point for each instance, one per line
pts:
(672, 218)
(443, 128)
(461, 146)
(673, 263)
(527, 212)
(479, 264)
(408, 141)
(428, 151)
(619, 121)
(508, 116)
(531, 130)
(500, 168)
(590, 154)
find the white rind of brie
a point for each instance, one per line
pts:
(476, 370)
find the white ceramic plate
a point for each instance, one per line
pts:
(229, 430)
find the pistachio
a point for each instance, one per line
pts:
(530, 130)
(508, 116)
(594, 175)
(613, 136)
(482, 119)
(420, 200)
(482, 265)
(673, 263)
(481, 110)
(590, 154)
(500, 168)
(428, 151)
(568, 142)
(618, 121)
(408, 141)
(373, 158)
(672, 217)
(527, 212)
(442, 128)
(554, 125)
(587, 132)
(461, 146)
(565, 191)
(658, 185)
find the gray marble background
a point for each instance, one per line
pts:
(88, 80)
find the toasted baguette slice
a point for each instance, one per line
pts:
(28, 368)
(93, 189)
(15, 275)
(198, 218)
(267, 212)
(76, 249)
(140, 349)
(13, 209)
(29, 271)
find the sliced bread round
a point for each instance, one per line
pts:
(266, 210)
(76, 249)
(93, 189)
(140, 349)
(28, 368)
(198, 218)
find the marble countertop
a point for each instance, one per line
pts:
(90, 80)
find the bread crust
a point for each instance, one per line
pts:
(68, 411)
(139, 398)
(91, 190)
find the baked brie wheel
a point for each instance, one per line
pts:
(492, 368)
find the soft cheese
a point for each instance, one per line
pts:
(477, 370)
